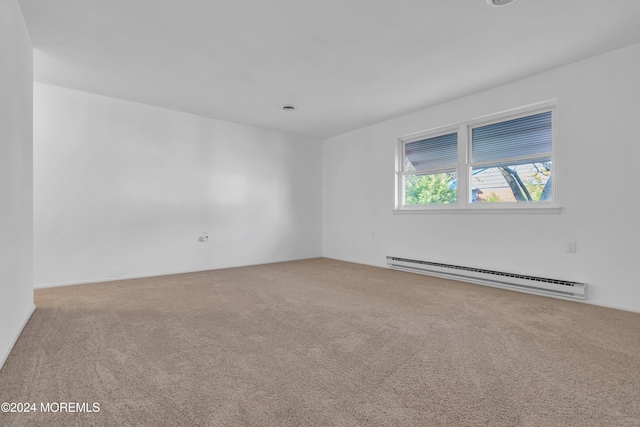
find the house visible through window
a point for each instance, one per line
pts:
(504, 160)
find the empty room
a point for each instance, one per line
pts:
(337, 213)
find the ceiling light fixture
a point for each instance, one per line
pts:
(499, 2)
(288, 107)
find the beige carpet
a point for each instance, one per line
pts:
(322, 343)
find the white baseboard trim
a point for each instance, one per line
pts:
(105, 279)
(588, 302)
(614, 306)
(159, 274)
(15, 339)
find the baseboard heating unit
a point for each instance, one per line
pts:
(518, 282)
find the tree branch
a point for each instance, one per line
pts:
(516, 184)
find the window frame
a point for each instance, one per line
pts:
(465, 164)
(433, 133)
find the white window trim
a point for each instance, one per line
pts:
(464, 204)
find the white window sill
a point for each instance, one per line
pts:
(473, 210)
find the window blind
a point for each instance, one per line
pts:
(525, 136)
(439, 152)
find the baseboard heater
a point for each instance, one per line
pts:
(519, 282)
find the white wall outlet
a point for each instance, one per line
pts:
(204, 237)
(115, 271)
(571, 247)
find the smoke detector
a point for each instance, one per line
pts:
(499, 2)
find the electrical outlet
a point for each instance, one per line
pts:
(571, 247)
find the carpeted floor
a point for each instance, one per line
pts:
(321, 343)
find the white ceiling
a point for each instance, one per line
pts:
(344, 63)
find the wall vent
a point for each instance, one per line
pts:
(519, 282)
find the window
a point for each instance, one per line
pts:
(430, 166)
(502, 161)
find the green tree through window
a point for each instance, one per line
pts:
(427, 189)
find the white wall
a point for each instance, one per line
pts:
(126, 185)
(598, 149)
(16, 194)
